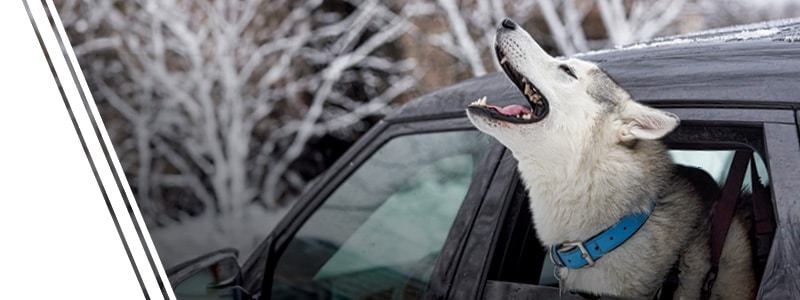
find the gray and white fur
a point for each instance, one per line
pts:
(589, 155)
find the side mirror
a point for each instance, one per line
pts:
(216, 275)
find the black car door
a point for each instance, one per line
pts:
(507, 261)
(390, 219)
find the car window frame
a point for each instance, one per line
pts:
(461, 249)
(782, 272)
(778, 146)
(269, 252)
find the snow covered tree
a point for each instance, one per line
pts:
(212, 104)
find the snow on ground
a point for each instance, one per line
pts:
(196, 236)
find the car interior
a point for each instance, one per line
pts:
(708, 152)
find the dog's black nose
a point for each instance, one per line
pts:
(507, 23)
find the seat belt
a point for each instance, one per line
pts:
(764, 219)
(722, 215)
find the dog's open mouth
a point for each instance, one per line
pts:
(536, 109)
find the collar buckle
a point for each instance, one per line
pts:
(584, 253)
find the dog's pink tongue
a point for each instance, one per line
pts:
(513, 110)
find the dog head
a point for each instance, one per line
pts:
(572, 104)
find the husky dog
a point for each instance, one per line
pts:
(590, 156)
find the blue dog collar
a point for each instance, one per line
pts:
(576, 255)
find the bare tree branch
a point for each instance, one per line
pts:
(465, 42)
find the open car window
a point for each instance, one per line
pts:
(717, 164)
(380, 232)
(707, 147)
(714, 162)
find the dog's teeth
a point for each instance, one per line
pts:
(535, 98)
(503, 60)
(528, 90)
(480, 102)
(526, 116)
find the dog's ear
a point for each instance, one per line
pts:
(645, 123)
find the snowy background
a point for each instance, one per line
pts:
(223, 111)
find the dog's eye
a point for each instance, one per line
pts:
(568, 70)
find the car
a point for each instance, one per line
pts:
(425, 206)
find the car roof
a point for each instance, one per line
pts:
(756, 65)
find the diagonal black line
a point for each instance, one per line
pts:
(85, 148)
(106, 152)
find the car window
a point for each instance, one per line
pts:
(717, 163)
(714, 162)
(380, 232)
